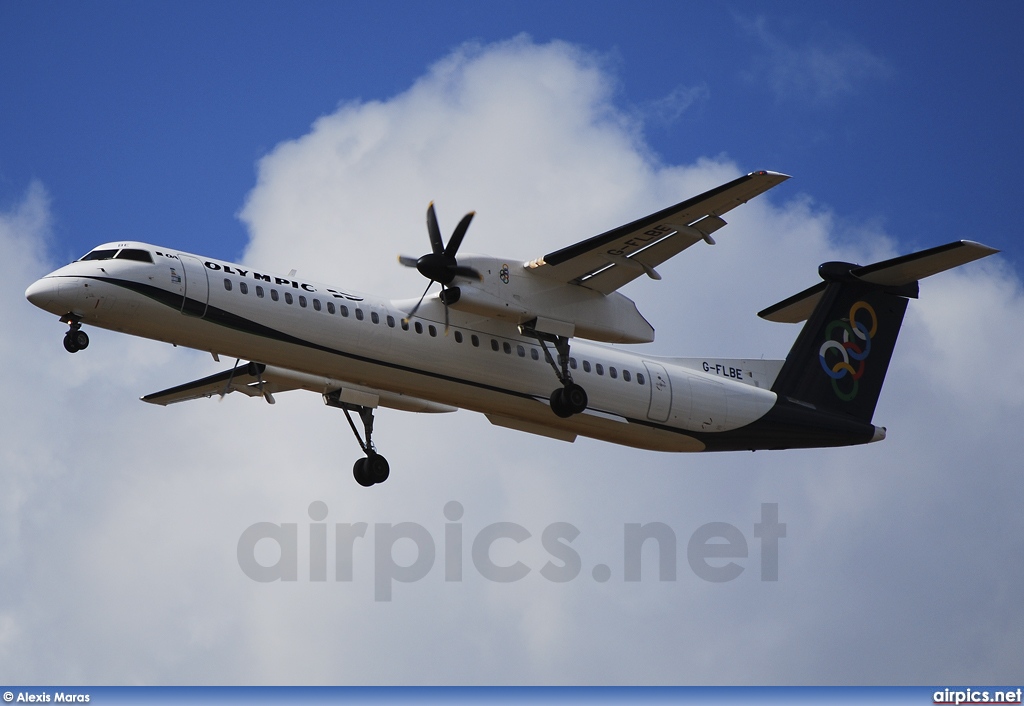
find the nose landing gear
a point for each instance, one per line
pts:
(75, 339)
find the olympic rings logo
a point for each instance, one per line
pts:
(841, 359)
(503, 273)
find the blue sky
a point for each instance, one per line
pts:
(146, 120)
(312, 136)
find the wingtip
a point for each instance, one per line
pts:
(987, 249)
(769, 173)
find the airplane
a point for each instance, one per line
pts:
(524, 343)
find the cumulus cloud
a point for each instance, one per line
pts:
(120, 521)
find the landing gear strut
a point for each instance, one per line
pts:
(570, 398)
(75, 339)
(373, 468)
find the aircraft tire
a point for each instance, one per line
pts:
(81, 339)
(377, 468)
(575, 398)
(69, 343)
(359, 472)
(559, 404)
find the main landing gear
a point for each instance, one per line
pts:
(75, 339)
(570, 398)
(373, 468)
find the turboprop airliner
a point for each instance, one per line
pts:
(524, 343)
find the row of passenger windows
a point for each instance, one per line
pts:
(243, 287)
(506, 346)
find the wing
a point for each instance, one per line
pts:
(259, 380)
(247, 379)
(608, 261)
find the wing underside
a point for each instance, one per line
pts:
(608, 261)
(259, 380)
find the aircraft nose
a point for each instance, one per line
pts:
(42, 292)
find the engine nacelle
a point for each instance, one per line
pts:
(511, 292)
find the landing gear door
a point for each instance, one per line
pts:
(661, 392)
(197, 287)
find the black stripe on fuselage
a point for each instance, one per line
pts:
(785, 425)
(216, 315)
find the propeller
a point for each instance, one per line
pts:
(439, 265)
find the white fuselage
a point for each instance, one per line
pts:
(482, 364)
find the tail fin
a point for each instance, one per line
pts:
(840, 358)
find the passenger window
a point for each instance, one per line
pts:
(227, 284)
(316, 304)
(288, 298)
(599, 368)
(572, 363)
(330, 308)
(586, 366)
(474, 340)
(458, 336)
(405, 324)
(359, 314)
(343, 309)
(391, 321)
(625, 375)
(302, 301)
(259, 291)
(534, 354)
(521, 351)
(419, 327)
(243, 288)
(374, 317)
(494, 345)
(613, 372)
(432, 330)
(640, 378)
(274, 295)
(507, 346)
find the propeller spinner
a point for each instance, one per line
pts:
(440, 265)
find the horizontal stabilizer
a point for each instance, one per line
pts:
(896, 272)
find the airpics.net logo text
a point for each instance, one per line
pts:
(269, 551)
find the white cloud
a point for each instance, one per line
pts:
(822, 71)
(120, 521)
(669, 108)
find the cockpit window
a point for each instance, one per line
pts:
(100, 255)
(122, 254)
(132, 254)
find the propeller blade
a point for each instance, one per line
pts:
(444, 301)
(465, 271)
(407, 261)
(436, 244)
(460, 232)
(417, 307)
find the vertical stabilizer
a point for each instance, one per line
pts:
(840, 358)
